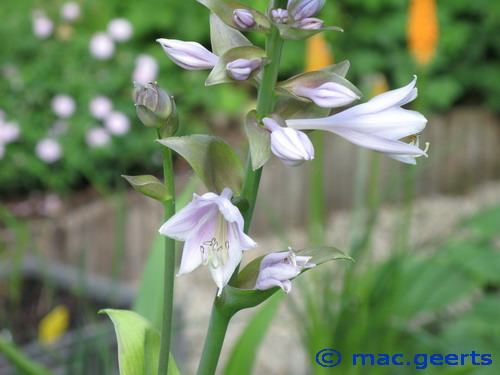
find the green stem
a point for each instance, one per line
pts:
(265, 105)
(169, 262)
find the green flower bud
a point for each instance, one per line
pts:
(155, 107)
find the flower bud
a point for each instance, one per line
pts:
(291, 146)
(243, 18)
(188, 55)
(310, 24)
(328, 95)
(153, 105)
(300, 9)
(242, 69)
(280, 16)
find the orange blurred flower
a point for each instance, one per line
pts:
(423, 30)
(318, 53)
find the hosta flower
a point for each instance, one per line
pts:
(328, 95)
(146, 69)
(300, 9)
(291, 146)
(97, 137)
(70, 11)
(188, 55)
(310, 23)
(242, 69)
(43, 27)
(377, 124)
(276, 269)
(212, 228)
(100, 107)
(120, 29)
(63, 105)
(243, 18)
(101, 46)
(48, 150)
(117, 123)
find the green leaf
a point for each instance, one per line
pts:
(149, 186)
(219, 73)
(211, 158)
(244, 351)
(341, 68)
(290, 32)
(224, 38)
(259, 140)
(242, 296)
(225, 9)
(289, 108)
(138, 344)
(20, 360)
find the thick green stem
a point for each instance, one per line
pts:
(265, 105)
(168, 281)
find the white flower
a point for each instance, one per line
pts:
(63, 105)
(377, 124)
(97, 137)
(276, 269)
(120, 29)
(117, 123)
(70, 11)
(101, 46)
(291, 146)
(188, 55)
(9, 132)
(212, 228)
(328, 95)
(100, 107)
(43, 27)
(48, 150)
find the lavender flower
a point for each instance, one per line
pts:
(300, 9)
(100, 107)
(63, 105)
(101, 46)
(276, 270)
(212, 228)
(120, 29)
(328, 95)
(242, 69)
(377, 124)
(117, 123)
(291, 146)
(188, 55)
(280, 16)
(310, 23)
(48, 150)
(243, 19)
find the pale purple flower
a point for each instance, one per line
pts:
(212, 228)
(63, 105)
(188, 55)
(280, 16)
(300, 9)
(120, 29)
(48, 150)
(291, 146)
(146, 69)
(243, 18)
(9, 132)
(242, 69)
(310, 23)
(328, 95)
(117, 123)
(377, 124)
(70, 11)
(101, 46)
(43, 27)
(97, 137)
(100, 107)
(276, 270)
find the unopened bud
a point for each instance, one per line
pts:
(280, 16)
(291, 146)
(328, 95)
(300, 9)
(242, 69)
(243, 19)
(153, 105)
(188, 55)
(310, 24)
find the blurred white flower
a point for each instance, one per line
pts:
(101, 46)
(146, 69)
(100, 107)
(9, 132)
(48, 150)
(120, 29)
(117, 123)
(70, 11)
(43, 27)
(97, 137)
(63, 105)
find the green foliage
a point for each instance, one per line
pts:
(20, 360)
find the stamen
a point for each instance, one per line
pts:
(212, 253)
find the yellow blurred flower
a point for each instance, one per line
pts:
(318, 53)
(423, 30)
(53, 325)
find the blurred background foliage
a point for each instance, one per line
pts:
(464, 71)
